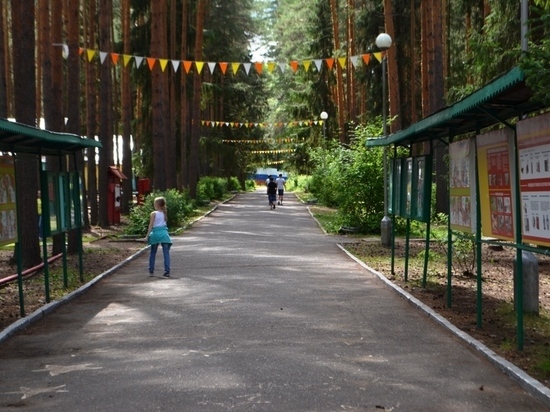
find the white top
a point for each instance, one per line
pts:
(159, 219)
(280, 183)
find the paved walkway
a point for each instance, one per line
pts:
(263, 313)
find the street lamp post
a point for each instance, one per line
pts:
(384, 42)
(324, 117)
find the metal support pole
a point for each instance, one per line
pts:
(386, 224)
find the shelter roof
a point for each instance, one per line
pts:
(21, 138)
(502, 99)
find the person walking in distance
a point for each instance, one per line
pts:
(272, 193)
(157, 234)
(280, 188)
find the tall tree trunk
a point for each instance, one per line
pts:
(171, 162)
(393, 72)
(184, 105)
(339, 76)
(23, 17)
(91, 117)
(72, 13)
(3, 66)
(127, 110)
(196, 114)
(105, 112)
(159, 97)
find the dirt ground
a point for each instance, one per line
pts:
(498, 327)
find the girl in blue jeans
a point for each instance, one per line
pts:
(157, 233)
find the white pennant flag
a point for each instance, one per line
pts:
(138, 60)
(211, 67)
(175, 65)
(102, 56)
(354, 60)
(318, 64)
(282, 67)
(247, 67)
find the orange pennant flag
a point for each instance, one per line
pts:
(80, 51)
(151, 62)
(330, 63)
(259, 67)
(294, 66)
(187, 65)
(223, 67)
(366, 58)
(114, 57)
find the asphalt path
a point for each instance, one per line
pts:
(263, 312)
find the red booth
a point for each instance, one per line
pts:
(115, 177)
(143, 189)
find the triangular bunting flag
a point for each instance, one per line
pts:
(354, 60)
(282, 67)
(330, 63)
(378, 56)
(90, 54)
(138, 60)
(223, 67)
(270, 66)
(199, 65)
(294, 66)
(247, 67)
(163, 63)
(102, 56)
(306, 64)
(126, 59)
(151, 62)
(175, 65)
(211, 67)
(80, 51)
(187, 65)
(366, 58)
(318, 63)
(342, 62)
(259, 67)
(235, 67)
(114, 58)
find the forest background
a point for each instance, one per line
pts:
(170, 78)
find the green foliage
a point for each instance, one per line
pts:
(178, 205)
(211, 188)
(233, 184)
(250, 185)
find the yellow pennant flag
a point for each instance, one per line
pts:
(306, 64)
(342, 62)
(126, 59)
(163, 63)
(378, 56)
(199, 65)
(235, 67)
(90, 53)
(270, 66)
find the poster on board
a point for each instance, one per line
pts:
(8, 206)
(534, 162)
(462, 186)
(494, 163)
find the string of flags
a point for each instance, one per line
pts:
(302, 123)
(276, 151)
(257, 141)
(224, 67)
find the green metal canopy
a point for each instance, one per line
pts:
(20, 138)
(504, 98)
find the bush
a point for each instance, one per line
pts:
(178, 205)
(250, 185)
(234, 184)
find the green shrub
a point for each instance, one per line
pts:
(178, 205)
(250, 185)
(233, 184)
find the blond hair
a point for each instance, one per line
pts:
(160, 203)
